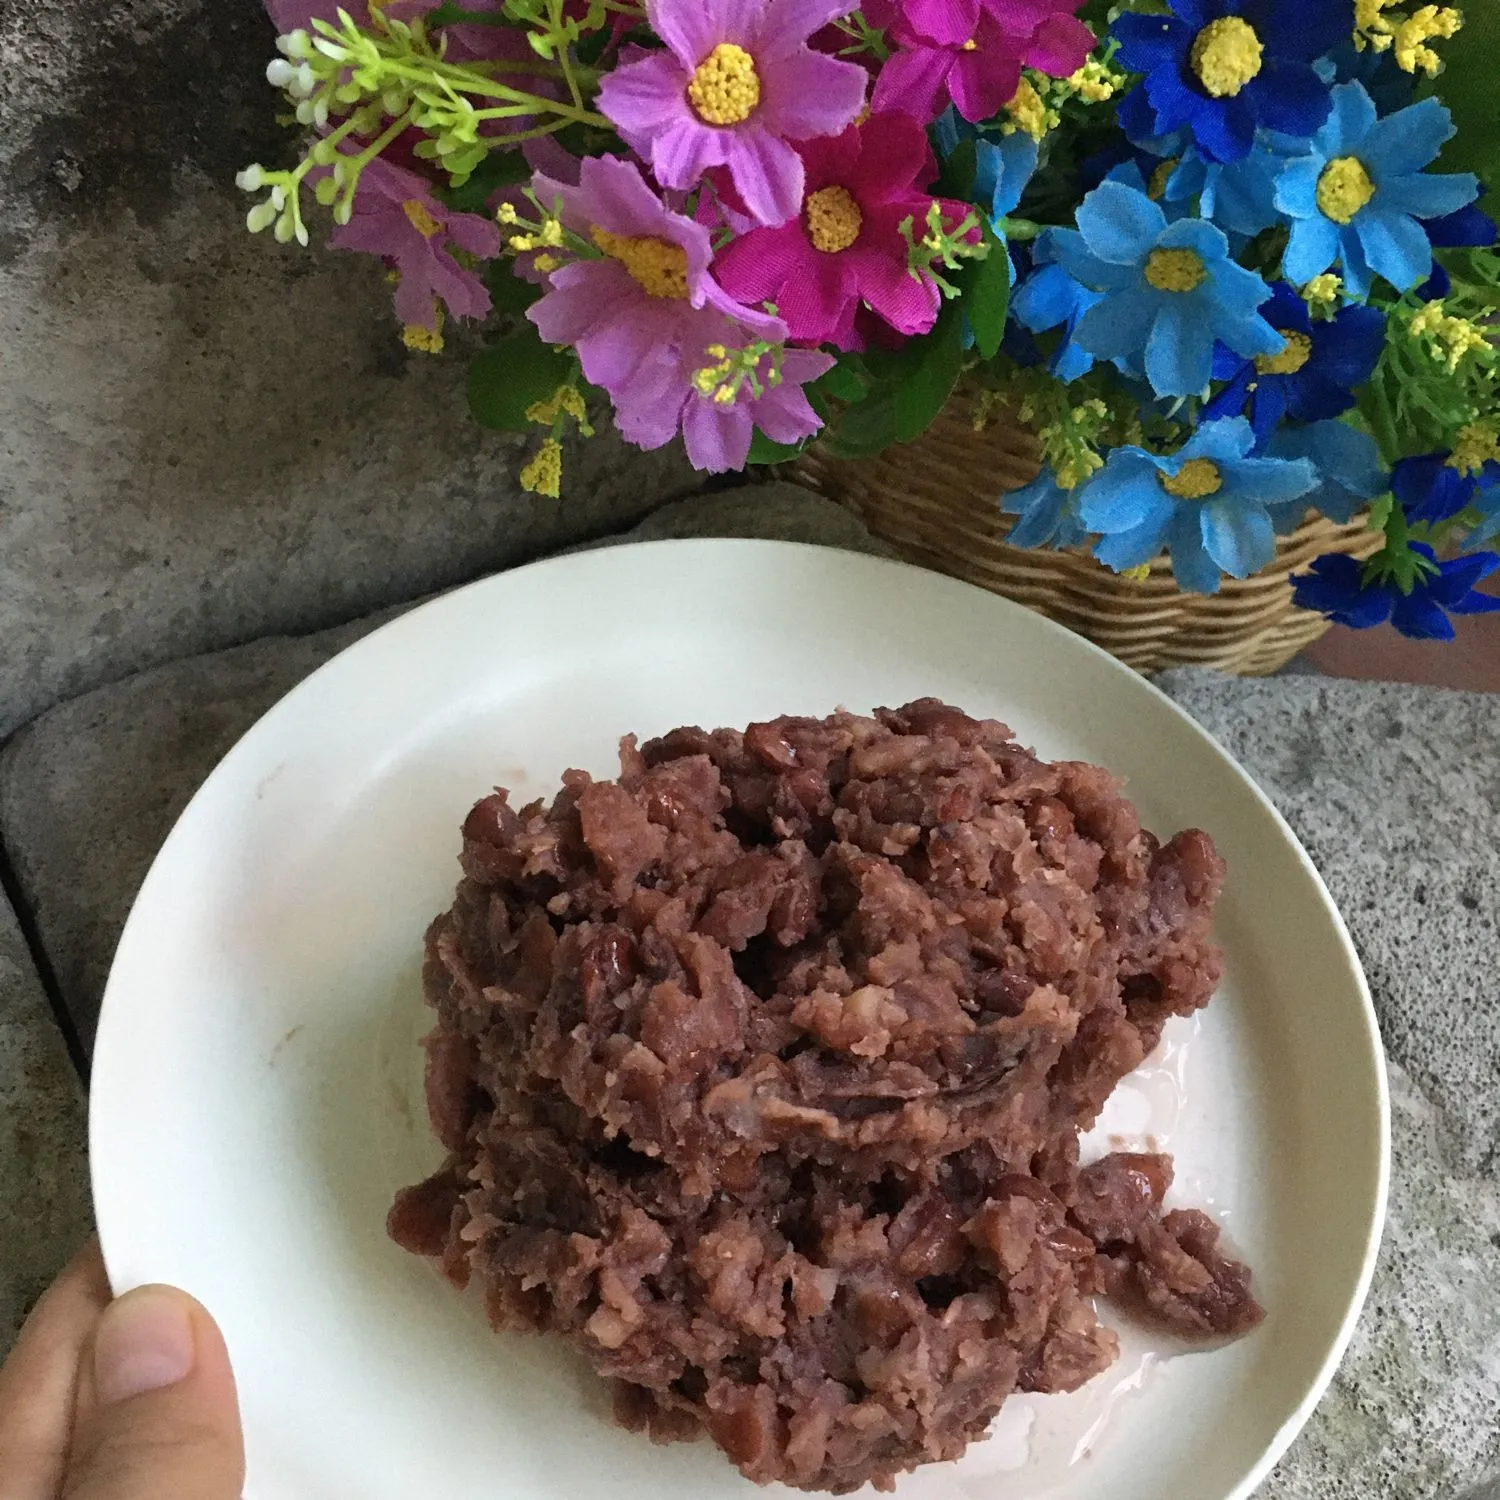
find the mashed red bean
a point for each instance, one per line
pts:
(762, 1072)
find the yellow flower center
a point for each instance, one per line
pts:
(971, 45)
(1175, 270)
(1028, 110)
(659, 268)
(725, 89)
(1291, 359)
(833, 219)
(1195, 480)
(1226, 56)
(420, 219)
(1344, 188)
(1159, 179)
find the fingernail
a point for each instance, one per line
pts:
(144, 1342)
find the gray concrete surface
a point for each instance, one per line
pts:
(207, 438)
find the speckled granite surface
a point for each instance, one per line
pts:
(1396, 793)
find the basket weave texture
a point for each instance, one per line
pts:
(935, 501)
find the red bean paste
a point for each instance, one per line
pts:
(762, 1071)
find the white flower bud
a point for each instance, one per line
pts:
(320, 113)
(251, 178)
(279, 72)
(278, 197)
(343, 211)
(284, 229)
(304, 112)
(259, 217)
(301, 233)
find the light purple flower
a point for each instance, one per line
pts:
(396, 217)
(665, 397)
(631, 309)
(735, 86)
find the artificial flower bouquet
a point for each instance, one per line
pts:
(1216, 253)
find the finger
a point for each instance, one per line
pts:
(158, 1415)
(38, 1382)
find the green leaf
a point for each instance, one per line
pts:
(1467, 86)
(865, 429)
(764, 450)
(957, 177)
(498, 169)
(513, 374)
(987, 297)
(927, 386)
(845, 381)
(509, 293)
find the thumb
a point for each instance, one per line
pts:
(157, 1414)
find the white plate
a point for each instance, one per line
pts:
(256, 1089)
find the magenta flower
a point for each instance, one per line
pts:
(972, 51)
(634, 307)
(707, 390)
(846, 247)
(396, 217)
(736, 83)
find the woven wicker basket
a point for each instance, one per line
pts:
(934, 500)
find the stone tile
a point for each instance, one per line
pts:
(44, 1192)
(207, 438)
(1395, 791)
(89, 791)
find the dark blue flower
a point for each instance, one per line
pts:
(1468, 226)
(1223, 67)
(1342, 589)
(1431, 490)
(1169, 290)
(1358, 197)
(1048, 515)
(1209, 504)
(1384, 81)
(1314, 375)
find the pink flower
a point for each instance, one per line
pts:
(736, 83)
(846, 246)
(396, 217)
(972, 51)
(667, 396)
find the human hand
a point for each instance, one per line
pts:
(118, 1400)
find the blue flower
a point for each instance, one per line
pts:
(1002, 170)
(1349, 471)
(1432, 491)
(1358, 196)
(1314, 375)
(1170, 290)
(1223, 67)
(1209, 504)
(1050, 298)
(1340, 588)
(1048, 515)
(1239, 196)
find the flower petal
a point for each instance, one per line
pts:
(1150, 42)
(809, 94)
(1226, 442)
(1120, 225)
(1291, 97)
(1129, 549)
(1407, 140)
(1297, 187)
(1394, 246)
(1060, 45)
(645, 96)
(690, 28)
(767, 173)
(1192, 566)
(1311, 249)
(1270, 481)
(1118, 327)
(1239, 537)
(1428, 195)
(1067, 248)
(914, 80)
(1179, 358)
(1124, 495)
(1352, 119)
(786, 24)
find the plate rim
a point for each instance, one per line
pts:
(112, 1012)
